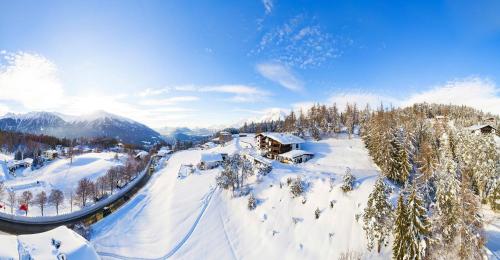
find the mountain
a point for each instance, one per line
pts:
(97, 124)
(186, 134)
(272, 114)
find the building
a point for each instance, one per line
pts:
(50, 154)
(483, 129)
(256, 158)
(210, 161)
(295, 156)
(273, 144)
(27, 162)
(141, 155)
(164, 152)
(225, 137)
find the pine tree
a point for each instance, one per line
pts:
(378, 216)
(447, 195)
(348, 181)
(418, 227)
(400, 231)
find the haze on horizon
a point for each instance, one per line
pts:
(186, 63)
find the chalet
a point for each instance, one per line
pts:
(208, 145)
(141, 155)
(255, 158)
(490, 121)
(273, 144)
(164, 152)
(295, 156)
(225, 137)
(483, 129)
(210, 161)
(50, 154)
(27, 162)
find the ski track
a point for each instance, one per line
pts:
(233, 252)
(178, 246)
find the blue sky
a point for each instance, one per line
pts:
(202, 63)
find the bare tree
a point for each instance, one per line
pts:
(83, 191)
(12, 200)
(71, 199)
(26, 198)
(101, 185)
(56, 198)
(41, 200)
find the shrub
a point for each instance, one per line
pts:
(297, 187)
(252, 202)
(317, 212)
(348, 182)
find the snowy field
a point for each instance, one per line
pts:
(189, 219)
(60, 174)
(39, 246)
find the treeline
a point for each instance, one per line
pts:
(31, 145)
(322, 120)
(317, 121)
(445, 172)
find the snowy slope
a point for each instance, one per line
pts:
(63, 175)
(38, 246)
(189, 219)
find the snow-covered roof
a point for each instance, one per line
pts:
(224, 133)
(164, 152)
(477, 127)
(50, 151)
(284, 138)
(141, 154)
(39, 246)
(28, 160)
(211, 157)
(295, 153)
(251, 153)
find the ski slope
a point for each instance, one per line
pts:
(191, 219)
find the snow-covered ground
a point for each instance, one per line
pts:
(190, 219)
(60, 174)
(39, 246)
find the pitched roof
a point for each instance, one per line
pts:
(476, 127)
(211, 157)
(295, 153)
(284, 138)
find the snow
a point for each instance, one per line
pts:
(295, 153)
(39, 246)
(60, 174)
(492, 233)
(284, 138)
(189, 218)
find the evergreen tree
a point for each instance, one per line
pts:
(418, 227)
(348, 181)
(447, 196)
(378, 216)
(400, 231)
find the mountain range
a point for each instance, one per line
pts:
(96, 124)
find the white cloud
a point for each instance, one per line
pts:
(4, 109)
(281, 75)
(153, 92)
(239, 93)
(31, 80)
(475, 92)
(168, 101)
(300, 42)
(268, 6)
